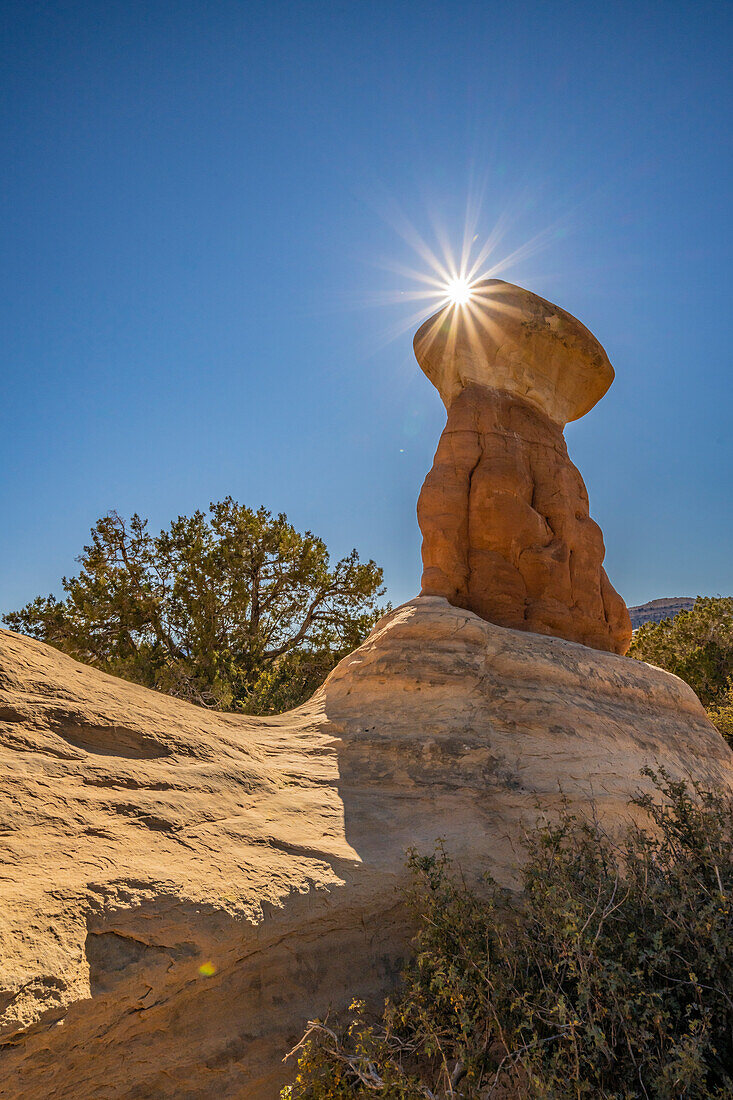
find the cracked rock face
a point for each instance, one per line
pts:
(504, 513)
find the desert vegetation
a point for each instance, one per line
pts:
(239, 611)
(235, 610)
(696, 645)
(608, 975)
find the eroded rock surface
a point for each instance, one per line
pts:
(143, 838)
(513, 340)
(504, 512)
(506, 527)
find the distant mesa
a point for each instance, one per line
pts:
(504, 513)
(668, 607)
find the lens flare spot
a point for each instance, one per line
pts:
(207, 970)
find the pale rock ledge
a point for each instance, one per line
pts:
(143, 838)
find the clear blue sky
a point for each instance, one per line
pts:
(197, 200)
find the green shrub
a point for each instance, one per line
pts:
(235, 610)
(609, 976)
(696, 645)
(722, 715)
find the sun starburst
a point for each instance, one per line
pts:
(452, 270)
(459, 290)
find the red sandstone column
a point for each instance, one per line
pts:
(504, 512)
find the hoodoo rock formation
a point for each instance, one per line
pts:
(504, 512)
(181, 890)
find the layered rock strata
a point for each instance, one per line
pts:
(180, 890)
(504, 512)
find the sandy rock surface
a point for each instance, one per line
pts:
(144, 838)
(506, 527)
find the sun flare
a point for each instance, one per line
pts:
(454, 276)
(459, 290)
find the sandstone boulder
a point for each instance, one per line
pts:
(180, 889)
(510, 339)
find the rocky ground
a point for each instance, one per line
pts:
(182, 889)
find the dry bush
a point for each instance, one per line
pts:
(609, 976)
